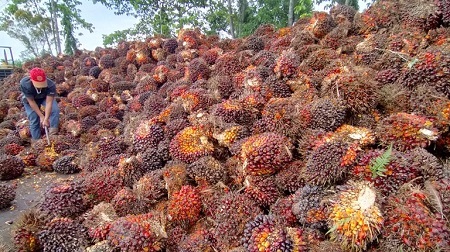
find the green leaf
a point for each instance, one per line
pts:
(378, 166)
(412, 62)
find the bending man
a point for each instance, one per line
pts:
(37, 90)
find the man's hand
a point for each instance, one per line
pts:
(44, 121)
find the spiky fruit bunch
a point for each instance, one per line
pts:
(46, 158)
(64, 234)
(355, 217)
(254, 43)
(121, 86)
(102, 184)
(262, 189)
(195, 99)
(25, 230)
(200, 239)
(106, 61)
(189, 38)
(95, 71)
(411, 223)
(102, 246)
(170, 45)
(356, 89)
(282, 115)
(64, 200)
(320, 24)
(406, 131)
(388, 170)
(28, 157)
(290, 179)
(184, 206)
(379, 15)
(310, 206)
(430, 69)
(89, 110)
(264, 234)
(191, 143)
(264, 58)
(125, 202)
(233, 111)
(234, 210)
(13, 149)
(66, 165)
(428, 164)
(438, 195)
(98, 220)
(361, 136)
(175, 176)
(154, 158)
(265, 153)
(174, 236)
(81, 100)
(89, 62)
(160, 74)
(99, 85)
(11, 167)
(231, 135)
(327, 114)
(387, 76)
(95, 152)
(282, 208)
(198, 70)
(228, 64)
(143, 232)
(329, 162)
(150, 188)
(7, 194)
(130, 169)
(209, 169)
(286, 64)
(342, 10)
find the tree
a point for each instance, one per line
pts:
(238, 18)
(157, 17)
(71, 22)
(353, 3)
(35, 24)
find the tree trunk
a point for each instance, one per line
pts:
(54, 18)
(243, 5)
(291, 13)
(348, 2)
(230, 16)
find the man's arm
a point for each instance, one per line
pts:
(35, 108)
(48, 109)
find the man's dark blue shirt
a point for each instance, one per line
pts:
(39, 94)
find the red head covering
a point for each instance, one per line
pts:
(37, 76)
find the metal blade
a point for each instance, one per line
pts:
(46, 134)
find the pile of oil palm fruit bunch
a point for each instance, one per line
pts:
(330, 135)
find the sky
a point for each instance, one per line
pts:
(96, 14)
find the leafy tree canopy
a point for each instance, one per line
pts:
(35, 23)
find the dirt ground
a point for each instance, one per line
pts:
(30, 188)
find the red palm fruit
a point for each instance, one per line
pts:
(184, 206)
(265, 153)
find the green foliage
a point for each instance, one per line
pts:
(71, 21)
(35, 24)
(378, 166)
(210, 16)
(303, 8)
(353, 3)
